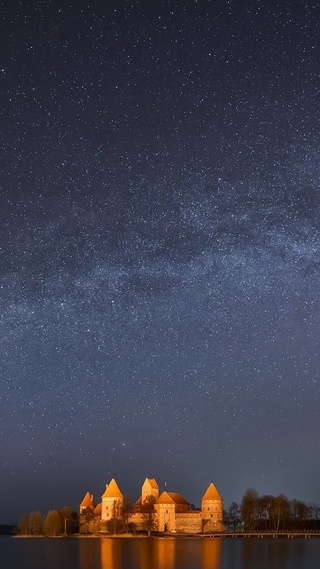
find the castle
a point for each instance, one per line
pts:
(171, 512)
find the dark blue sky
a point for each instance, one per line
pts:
(159, 206)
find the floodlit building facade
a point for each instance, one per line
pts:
(172, 512)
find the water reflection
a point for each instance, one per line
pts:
(211, 553)
(110, 554)
(89, 553)
(275, 553)
(159, 553)
(164, 553)
(184, 553)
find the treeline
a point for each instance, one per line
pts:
(56, 522)
(271, 513)
(68, 522)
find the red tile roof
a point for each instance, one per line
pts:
(211, 493)
(87, 501)
(112, 490)
(172, 498)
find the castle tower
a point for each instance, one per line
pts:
(168, 505)
(166, 512)
(212, 510)
(149, 488)
(87, 502)
(111, 498)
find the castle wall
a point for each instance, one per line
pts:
(211, 526)
(137, 520)
(190, 522)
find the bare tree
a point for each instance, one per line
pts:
(249, 506)
(300, 513)
(24, 525)
(52, 524)
(36, 523)
(149, 513)
(233, 516)
(127, 510)
(280, 512)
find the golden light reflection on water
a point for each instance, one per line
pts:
(165, 553)
(110, 553)
(161, 553)
(154, 553)
(211, 553)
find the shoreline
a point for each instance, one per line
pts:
(229, 535)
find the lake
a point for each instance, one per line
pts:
(160, 553)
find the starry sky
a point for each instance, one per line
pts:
(160, 249)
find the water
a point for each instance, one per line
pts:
(160, 553)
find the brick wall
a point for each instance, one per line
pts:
(189, 522)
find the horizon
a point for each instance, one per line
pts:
(162, 488)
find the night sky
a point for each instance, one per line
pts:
(160, 249)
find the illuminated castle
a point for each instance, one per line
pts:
(172, 512)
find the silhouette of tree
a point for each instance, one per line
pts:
(300, 513)
(149, 513)
(233, 516)
(249, 508)
(87, 516)
(280, 512)
(127, 510)
(67, 520)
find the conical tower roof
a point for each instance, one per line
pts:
(211, 493)
(87, 501)
(112, 490)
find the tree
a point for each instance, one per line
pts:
(52, 524)
(263, 511)
(115, 522)
(127, 510)
(249, 507)
(314, 515)
(36, 523)
(74, 522)
(87, 516)
(149, 513)
(280, 512)
(66, 516)
(300, 513)
(24, 525)
(233, 516)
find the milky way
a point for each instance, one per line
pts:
(160, 249)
